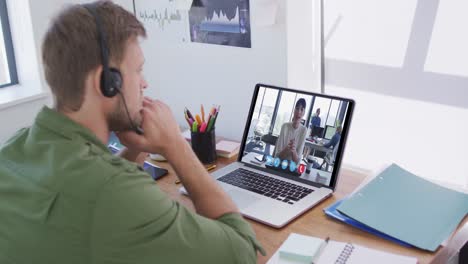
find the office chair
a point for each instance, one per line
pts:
(329, 159)
(255, 135)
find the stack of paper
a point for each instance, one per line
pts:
(227, 149)
(407, 208)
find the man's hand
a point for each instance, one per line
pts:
(292, 146)
(161, 130)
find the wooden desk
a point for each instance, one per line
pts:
(313, 223)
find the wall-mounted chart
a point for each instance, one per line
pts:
(166, 20)
(222, 22)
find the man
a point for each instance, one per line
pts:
(335, 138)
(290, 143)
(65, 199)
(316, 121)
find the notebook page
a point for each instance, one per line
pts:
(344, 253)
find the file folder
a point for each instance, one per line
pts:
(407, 207)
(335, 214)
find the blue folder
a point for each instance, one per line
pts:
(407, 207)
(335, 214)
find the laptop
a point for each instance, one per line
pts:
(275, 186)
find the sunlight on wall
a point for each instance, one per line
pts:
(427, 139)
(368, 31)
(448, 51)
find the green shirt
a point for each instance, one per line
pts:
(64, 198)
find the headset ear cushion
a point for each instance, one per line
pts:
(115, 79)
(114, 82)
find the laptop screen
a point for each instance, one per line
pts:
(296, 134)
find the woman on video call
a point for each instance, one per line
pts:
(290, 143)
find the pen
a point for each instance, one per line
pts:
(202, 113)
(187, 118)
(212, 111)
(195, 127)
(210, 125)
(203, 127)
(208, 120)
(197, 117)
(213, 121)
(320, 250)
(188, 113)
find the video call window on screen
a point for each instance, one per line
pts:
(296, 133)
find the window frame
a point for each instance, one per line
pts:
(8, 42)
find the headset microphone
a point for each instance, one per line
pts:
(136, 128)
(111, 78)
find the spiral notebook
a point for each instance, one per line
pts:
(337, 253)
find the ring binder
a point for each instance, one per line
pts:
(345, 253)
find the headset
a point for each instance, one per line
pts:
(111, 78)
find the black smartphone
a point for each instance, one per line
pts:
(153, 170)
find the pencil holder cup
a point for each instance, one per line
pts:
(204, 146)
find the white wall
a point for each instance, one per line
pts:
(21, 114)
(303, 44)
(186, 75)
(402, 61)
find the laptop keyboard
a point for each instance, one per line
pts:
(267, 186)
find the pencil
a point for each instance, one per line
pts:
(211, 167)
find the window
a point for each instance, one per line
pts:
(332, 113)
(284, 110)
(274, 108)
(286, 107)
(8, 75)
(324, 105)
(258, 103)
(266, 111)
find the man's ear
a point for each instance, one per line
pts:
(95, 80)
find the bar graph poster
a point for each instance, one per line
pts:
(166, 20)
(221, 22)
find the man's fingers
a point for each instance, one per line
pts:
(132, 138)
(149, 104)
